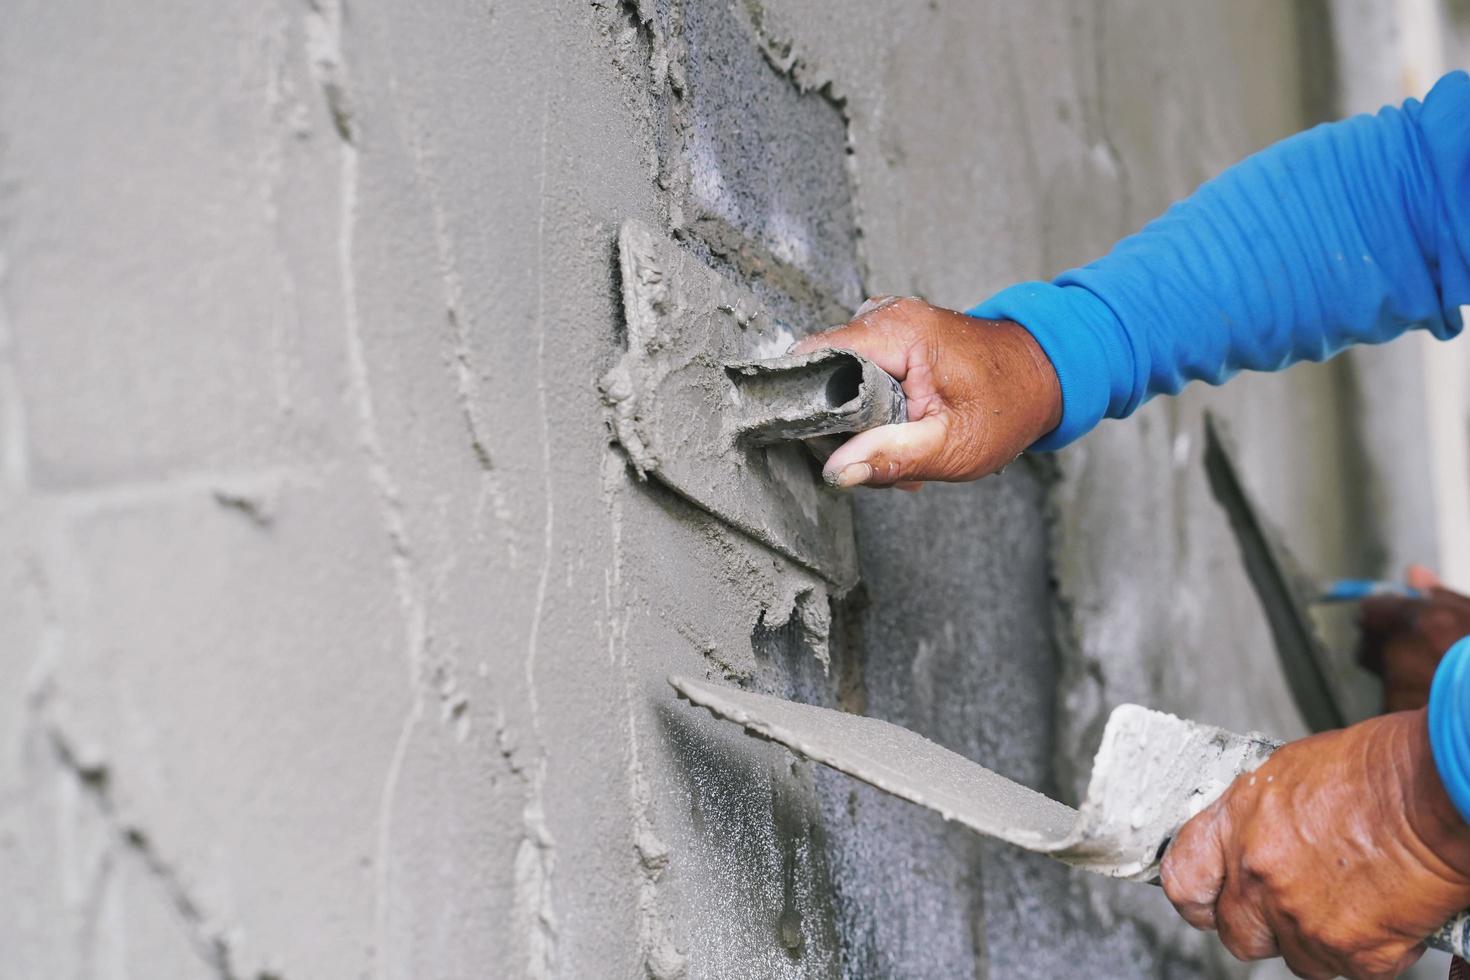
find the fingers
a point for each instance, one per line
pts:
(1408, 671)
(879, 331)
(1196, 880)
(1242, 925)
(1443, 618)
(1407, 960)
(1379, 964)
(1386, 613)
(1422, 577)
(1445, 599)
(1303, 958)
(882, 459)
(1193, 871)
(1402, 640)
(888, 455)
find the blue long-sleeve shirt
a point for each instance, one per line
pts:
(1352, 232)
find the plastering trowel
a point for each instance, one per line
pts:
(1152, 772)
(1284, 592)
(703, 401)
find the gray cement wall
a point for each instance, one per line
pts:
(333, 625)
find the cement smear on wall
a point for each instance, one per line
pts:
(335, 626)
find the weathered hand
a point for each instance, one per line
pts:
(979, 392)
(1340, 853)
(1403, 640)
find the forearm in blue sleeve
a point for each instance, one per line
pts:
(1352, 232)
(1449, 724)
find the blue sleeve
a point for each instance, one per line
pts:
(1449, 724)
(1352, 232)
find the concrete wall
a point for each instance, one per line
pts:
(333, 626)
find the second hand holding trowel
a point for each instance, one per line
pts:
(1152, 773)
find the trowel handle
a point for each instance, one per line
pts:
(813, 397)
(1453, 937)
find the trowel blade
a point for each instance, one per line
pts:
(1280, 587)
(895, 760)
(1152, 772)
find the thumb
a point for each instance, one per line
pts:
(1422, 578)
(889, 454)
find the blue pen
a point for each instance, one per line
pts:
(1355, 589)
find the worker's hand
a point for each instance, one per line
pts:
(1341, 853)
(1403, 639)
(979, 392)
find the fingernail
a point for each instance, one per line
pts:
(849, 476)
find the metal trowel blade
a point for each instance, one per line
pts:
(1152, 772)
(1280, 587)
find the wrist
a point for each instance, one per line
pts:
(1035, 380)
(1431, 813)
(1088, 354)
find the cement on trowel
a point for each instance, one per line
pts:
(817, 398)
(676, 412)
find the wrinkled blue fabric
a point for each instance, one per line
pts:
(1352, 232)
(1449, 736)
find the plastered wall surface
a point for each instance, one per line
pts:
(334, 625)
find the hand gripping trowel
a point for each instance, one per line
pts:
(700, 402)
(1152, 772)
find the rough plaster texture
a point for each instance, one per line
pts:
(335, 627)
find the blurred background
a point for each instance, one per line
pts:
(333, 623)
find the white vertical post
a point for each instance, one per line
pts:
(1416, 390)
(1421, 56)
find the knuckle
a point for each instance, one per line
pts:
(1247, 946)
(1372, 965)
(1184, 887)
(1309, 971)
(1244, 935)
(903, 312)
(1191, 869)
(1334, 939)
(1438, 623)
(1200, 915)
(1258, 864)
(887, 468)
(1202, 919)
(884, 302)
